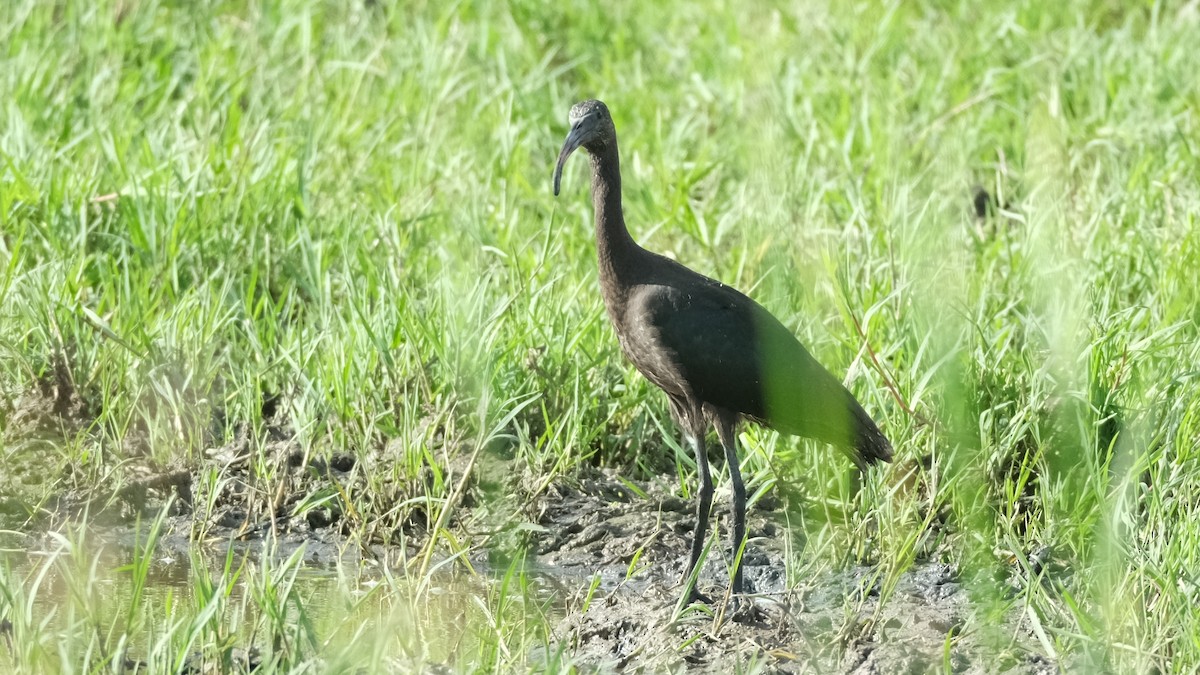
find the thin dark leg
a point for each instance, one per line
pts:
(703, 508)
(725, 430)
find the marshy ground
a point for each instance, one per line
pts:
(599, 554)
(304, 369)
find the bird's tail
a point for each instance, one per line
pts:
(869, 443)
(837, 419)
(804, 399)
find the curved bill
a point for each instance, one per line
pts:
(574, 140)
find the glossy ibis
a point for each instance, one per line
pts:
(719, 356)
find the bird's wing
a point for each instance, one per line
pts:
(732, 353)
(702, 339)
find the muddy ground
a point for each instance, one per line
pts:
(589, 525)
(829, 624)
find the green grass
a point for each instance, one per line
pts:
(346, 207)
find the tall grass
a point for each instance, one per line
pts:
(345, 207)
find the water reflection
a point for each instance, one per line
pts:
(359, 613)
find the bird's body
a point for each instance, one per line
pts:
(719, 356)
(701, 341)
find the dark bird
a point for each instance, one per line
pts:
(719, 356)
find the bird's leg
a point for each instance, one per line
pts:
(703, 508)
(725, 430)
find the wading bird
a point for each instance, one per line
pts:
(719, 356)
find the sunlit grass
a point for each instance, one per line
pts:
(333, 222)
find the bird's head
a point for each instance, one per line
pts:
(591, 127)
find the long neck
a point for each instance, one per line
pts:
(614, 246)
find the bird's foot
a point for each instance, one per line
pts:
(694, 595)
(744, 610)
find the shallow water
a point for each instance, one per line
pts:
(349, 613)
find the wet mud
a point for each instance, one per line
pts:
(607, 550)
(836, 622)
